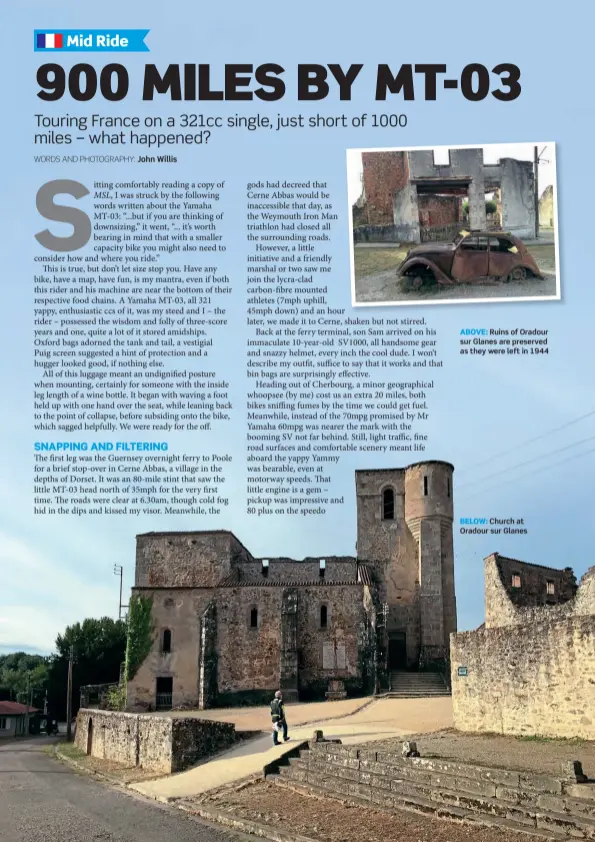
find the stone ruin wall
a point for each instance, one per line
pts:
(161, 744)
(532, 670)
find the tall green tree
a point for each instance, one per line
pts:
(24, 677)
(99, 648)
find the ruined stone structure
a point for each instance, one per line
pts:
(230, 628)
(547, 210)
(531, 668)
(162, 744)
(408, 198)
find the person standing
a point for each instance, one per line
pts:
(278, 718)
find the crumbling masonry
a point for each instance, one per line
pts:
(230, 628)
(407, 197)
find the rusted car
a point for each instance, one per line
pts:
(473, 256)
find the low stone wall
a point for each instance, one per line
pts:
(530, 679)
(382, 234)
(448, 789)
(159, 744)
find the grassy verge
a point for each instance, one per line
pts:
(371, 261)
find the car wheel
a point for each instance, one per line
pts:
(518, 274)
(413, 283)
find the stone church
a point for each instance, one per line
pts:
(231, 629)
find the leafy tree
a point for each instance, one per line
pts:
(99, 648)
(23, 677)
(491, 207)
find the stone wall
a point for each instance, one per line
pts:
(508, 605)
(186, 559)
(518, 197)
(333, 652)
(383, 174)
(208, 658)
(178, 611)
(406, 213)
(290, 571)
(396, 234)
(439, 210)
(532, 679)
(531, 670)
(554, 806)
(547, 209)
(248, 664)
(160, 744)
(413, 553)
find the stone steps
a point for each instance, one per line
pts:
(412, 685)
(419, 806)
(541, 805)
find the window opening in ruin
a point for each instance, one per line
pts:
(322, 568)
(441, 156)
(516, 580)
(448, 487)
(166, 641)
(265, 567)
(164, 693)
(551, 588)
(425, 486)
(323, 616)
(254, 618)
(388, 504)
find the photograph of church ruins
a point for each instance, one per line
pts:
(453, 224)
(229, 629)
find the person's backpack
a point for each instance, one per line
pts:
(276, 709)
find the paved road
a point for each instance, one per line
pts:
(42, 800)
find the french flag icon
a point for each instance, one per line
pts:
(49, 40)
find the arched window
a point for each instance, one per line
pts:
(323, 616)
(166, 641)
(388, 504)
(254, 618)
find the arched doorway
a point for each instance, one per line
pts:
(90, 738)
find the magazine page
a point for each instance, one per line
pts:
(297, 423)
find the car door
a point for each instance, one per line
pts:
(504, 256)
(471, 259)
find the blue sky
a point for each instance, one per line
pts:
(57, 571)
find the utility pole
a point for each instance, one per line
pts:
(27, 705)
(119, 571)
(536, 188)
(69, 696)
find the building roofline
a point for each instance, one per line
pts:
(406, 467)
(528, 563)
(195, 532)
(188, 532)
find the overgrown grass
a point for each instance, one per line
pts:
(537, 738)
(371, 261)
(67, 749)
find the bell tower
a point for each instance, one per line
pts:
(405, 532)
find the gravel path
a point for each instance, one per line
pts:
(42, 800)
(383, 288)
(541, 756)
(328, 820)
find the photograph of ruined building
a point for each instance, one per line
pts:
(453, 224)
(231, 629)
(530, 669)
